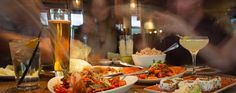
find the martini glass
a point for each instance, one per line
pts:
(193, 44)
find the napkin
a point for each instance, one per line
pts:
(77, 65)
(79, 50)
(8, 71)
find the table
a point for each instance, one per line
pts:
(8, 86)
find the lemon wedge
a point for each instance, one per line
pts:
(32, 43)
(185, 37)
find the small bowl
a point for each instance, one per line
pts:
(105, 62)
(116, 62)
(147, 60)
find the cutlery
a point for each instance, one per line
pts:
(129, 74)
(129, 65)
(172, 47)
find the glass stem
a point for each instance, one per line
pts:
(194, 59)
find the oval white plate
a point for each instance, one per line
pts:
(52, 82)
(130, 80)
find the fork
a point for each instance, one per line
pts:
(125, 75)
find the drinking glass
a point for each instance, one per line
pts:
(126, 48)
(21, 53)
(59, 22)
(193, 44)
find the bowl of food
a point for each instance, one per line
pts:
(147, 56)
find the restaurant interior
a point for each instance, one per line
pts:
(118, 46)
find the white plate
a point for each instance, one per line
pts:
(52, 82)
(154, 81)
(130, 80)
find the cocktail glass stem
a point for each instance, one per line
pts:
(194, 59)
(194, 62)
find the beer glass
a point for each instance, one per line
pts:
(61, 25)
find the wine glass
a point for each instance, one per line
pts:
(193, 44)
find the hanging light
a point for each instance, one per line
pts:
(149, 25)
(160, 31)
(155, 32)
(133, 4)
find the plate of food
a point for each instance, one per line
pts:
(88, 81)
(157, 72)
(107, 70)
(193, 84)
(77, 65)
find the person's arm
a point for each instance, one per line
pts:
(221, 57)
(45, 44)
(46, 51)
(173, 24)
(8, 36)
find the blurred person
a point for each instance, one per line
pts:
(20, 19)
(99, 28)
(223, 58)
(190, 19)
